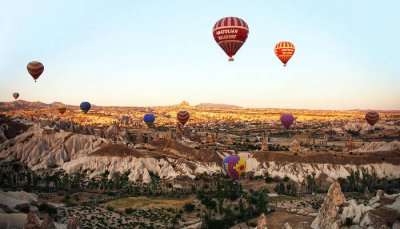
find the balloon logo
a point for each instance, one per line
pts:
(372, 117)
(149, 119)
(230, 33)
(284, 50)
(287, 120)
(234, 166)
(35, 68)
(183, 117)
(15, 95)
(85, 107)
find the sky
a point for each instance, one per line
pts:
(147, 53)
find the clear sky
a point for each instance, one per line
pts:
(141, 53)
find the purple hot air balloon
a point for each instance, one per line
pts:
(287, 120)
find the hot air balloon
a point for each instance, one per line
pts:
(183, 117)
(62, 109)
(35, 68)
(234, 166)
(149, 119)
(284, 50)
(372, 117)
(15, 95)
(230, 33)
(287, 120)
(85, 107)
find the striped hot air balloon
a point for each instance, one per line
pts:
(372, 117)
(284, 50)
(183, 117)
(35, 68)
(230, 33)
(15, 95)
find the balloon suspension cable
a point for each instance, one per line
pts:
(231, 59)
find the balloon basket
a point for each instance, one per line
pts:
(231, 59)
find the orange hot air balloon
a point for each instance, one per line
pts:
(35, 68)
(284, 50)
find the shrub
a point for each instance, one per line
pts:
(129, 210)
(188, 207)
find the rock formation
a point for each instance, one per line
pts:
(262, 222)
(328, 213)
(33, 221)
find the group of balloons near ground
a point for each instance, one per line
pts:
(230, 33)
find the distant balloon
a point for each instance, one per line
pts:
(183, 117)
(85, 107)
(234, 166)
(284, 50)
(372, 117)
(62, 110)
(230, 33)
(149, 119)
(35, 68)
(287, 120)
(15, 95)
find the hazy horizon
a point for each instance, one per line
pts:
(207, 103)
(160, 53)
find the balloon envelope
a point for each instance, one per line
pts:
(35, 68)
(234, 166)
(149, 119)
(15, 95)
(183, 117)
(284, 50)
(372, 117)
(287, 120)
(85, 107)
(230, 33)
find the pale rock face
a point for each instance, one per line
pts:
(299, 171)
(328, 213)
(287, 226)
(12, 199)
(379, 147)
(354, 211)
(262, 222)
(140, 168)
(38, 149)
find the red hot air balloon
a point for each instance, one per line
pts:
(183, 117)
(372, 117)
(284, 50)
(35, 68)
(15, 95)
(287, 120)
(230, 33)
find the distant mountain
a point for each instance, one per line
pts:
(217, 106)
(22, 104)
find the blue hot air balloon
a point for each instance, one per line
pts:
(85, 107)
(149, 119)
